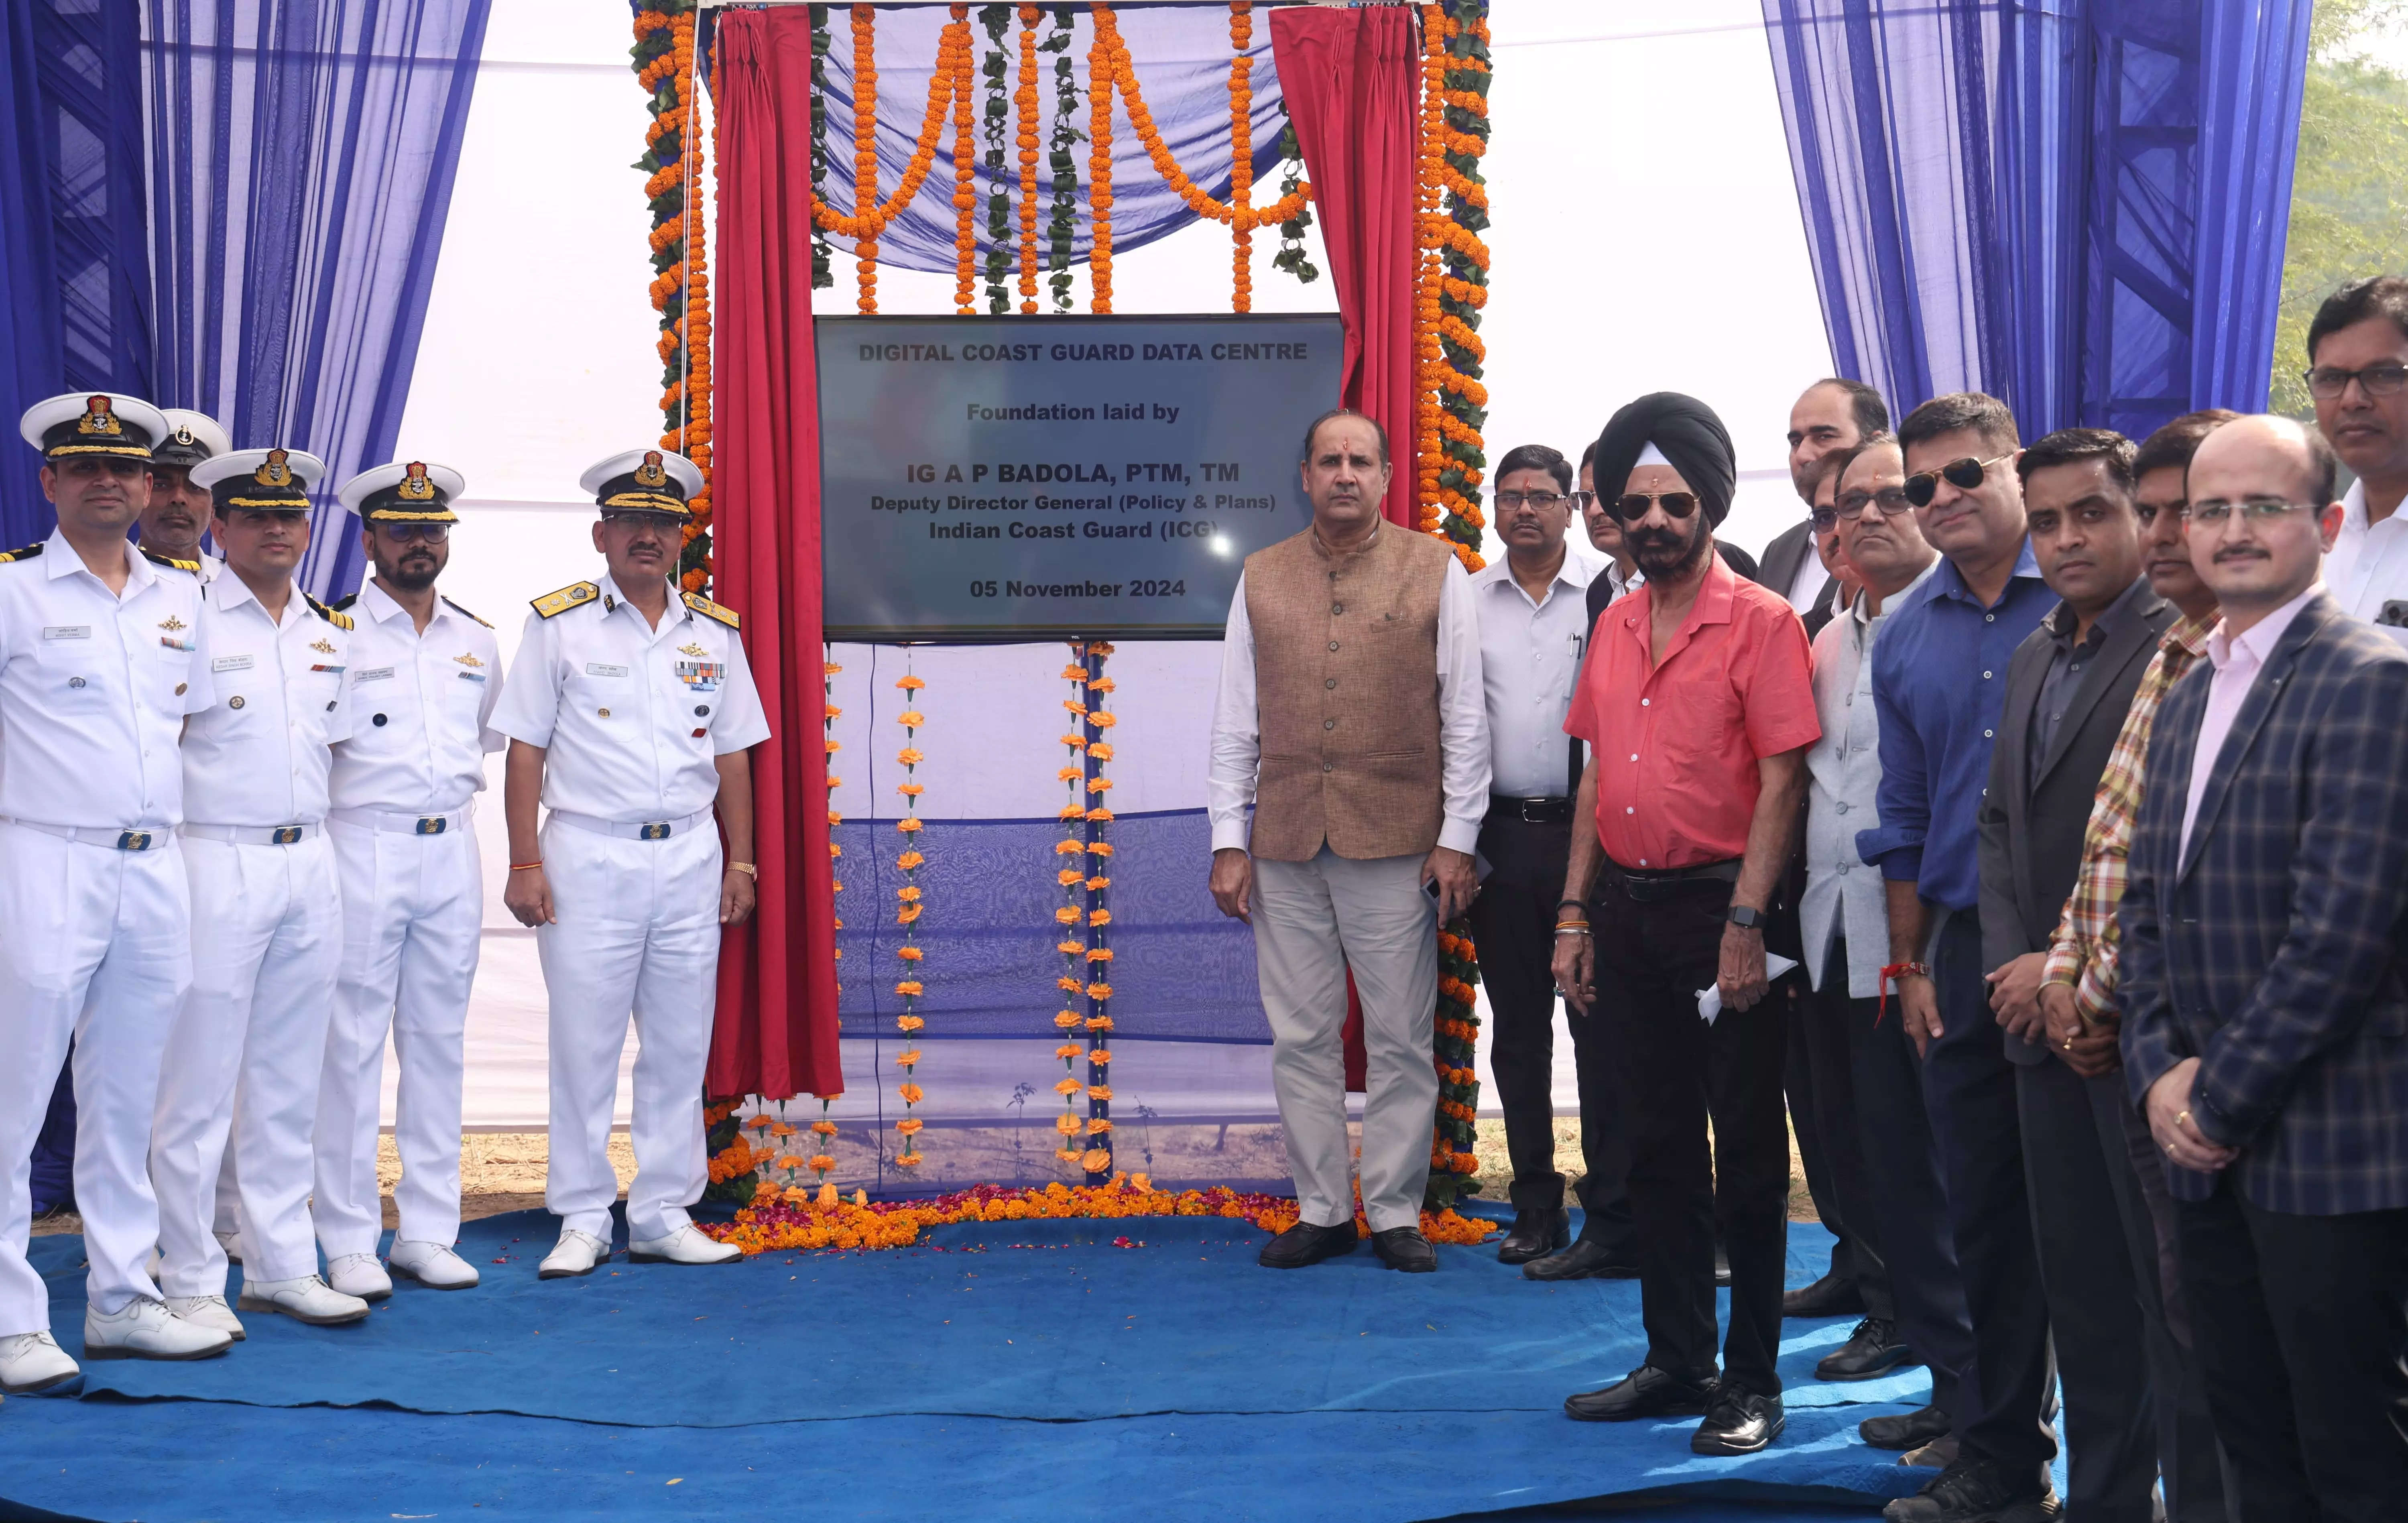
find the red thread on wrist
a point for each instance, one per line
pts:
(1889, 974)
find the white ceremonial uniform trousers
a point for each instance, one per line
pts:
(1312, 921)
(95, 944)
(636, 930)
(413, 919)
(243, 1063)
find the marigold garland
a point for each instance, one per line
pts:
(1062, 226)
(1451, 285)
(909, 906)
(1455, 1130)
(1071, 876)
(822, 271)
(1024, 100)
(1097, 818)
(1099, 172)
(965, 177)
(1149, 136)
(992, 71)
(1241, 152)
(664, 57)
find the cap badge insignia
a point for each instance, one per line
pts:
(415, 487)
(692, 649)
(184, 435)
(322, 647)
(273, 471)
(649, 473)
(171, 624)
(98, 418)
(470, 660)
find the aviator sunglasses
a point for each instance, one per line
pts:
(1964, 475)
(1633, 506)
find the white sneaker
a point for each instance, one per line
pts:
(433, 1265)
(309, 1300)
(359, 1275)
(232, 1243)
(686, 1245)
(145, 1329)
(576, 1253)
(34, 1361)
(207, 1312)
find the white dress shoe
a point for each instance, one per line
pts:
(576, 1253)
(34, 1361)
(309, 1300)
(232, 1243)
(686, 1245)
(207, 1312)
(433, 1265)
(360, 1275)
(145, 1329)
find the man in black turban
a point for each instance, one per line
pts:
(1682, 434)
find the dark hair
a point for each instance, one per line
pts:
(2377, 295)
(2176, 443)
(2073, 446)
(1835, 464)
(1865, 404)
(1977, 410)
(1588, 455)
(1312, 431)
(1536, 457)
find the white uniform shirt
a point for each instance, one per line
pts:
(94, 688)
(259, 755)
(634, 717)
(1529, 658)
(1462, 723)
(422, 708)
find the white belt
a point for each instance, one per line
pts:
(253, 835)
(634, 830)
(149, 840)
(402, 824)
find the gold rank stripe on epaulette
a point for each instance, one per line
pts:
(709, 610)
(157, 559)
(463, 613)
(341, 621)
(26, 555)
(575, 595)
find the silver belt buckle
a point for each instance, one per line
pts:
(284, 835)
(433, 825)
(653, 832)
(134, 840)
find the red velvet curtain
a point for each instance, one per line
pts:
(1351, 80)
(776, 1032)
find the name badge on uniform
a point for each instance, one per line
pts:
(66, 631)
(371, 674)
(597, 668)
(702, 676)
(231, 663)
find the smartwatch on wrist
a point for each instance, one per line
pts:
(1745, 918)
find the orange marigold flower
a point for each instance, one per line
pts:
(1064, 848)
(1074, 673)
(906, 1160)
(910, 953)
(1099, 991)
(909, 1124)
(832, 748)
(1066, 1019)
(1100, 817)
(910, 684)
(1100, 1023)
(1068, 1051)
(1066, 916)
(1066, 1124)
(1071, 811)
(835, 782)
(1102, 721)
(1097, 1126)
(822, 1163)
(1069, 774)
(1070, 949)
(824, 1127)
(834, 712)
(1097, 886)
(1066, 1086)
(909, 913)
(911, 1093)
(1067, 984)
(1099, 954)
(1096, 1160)
(1067, 1154)
(832, 669)
(1101, 1092)
(1073, 742)
(1099, 848)
(911, 790)
(909, 894)
(762, 1122)
(1100, 750)
(911, 719)
(908, 826)
(911, 756)
(1100, 1056)
(905, 1059)
(780, 1128)
(910, 860)
(1099, 917)
(1099, 784)
(1067, 877)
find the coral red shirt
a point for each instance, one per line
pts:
(1677, 743)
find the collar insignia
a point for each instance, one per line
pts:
(171, 624)
(414, 485)
(98, 418)
(470, 660)
(322, 647)
(273, 471)
(650, 473)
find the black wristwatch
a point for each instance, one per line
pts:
(1745, 918)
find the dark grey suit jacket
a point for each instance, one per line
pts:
(2031, 825)
(1790, 550)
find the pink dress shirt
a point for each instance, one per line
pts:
(2237, 660)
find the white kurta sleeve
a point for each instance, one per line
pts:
(1236, 731)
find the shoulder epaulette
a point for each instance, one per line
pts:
(343, 604)
(341, 621)
(575, 595)
(26, 555)
(709, 610)
(157, 559)
(463, 613)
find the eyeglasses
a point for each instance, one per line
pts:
(1507, 501)
(1633, 506)
(1892, 500)
(402, 534)
(2213, 514)
(1964, 475)
(2326, 383)
(1581, 501)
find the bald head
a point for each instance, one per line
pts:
(2265, 442)
(2262, 515)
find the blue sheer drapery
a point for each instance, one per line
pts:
(239, 209)
(1181, 57)
(2077, 205)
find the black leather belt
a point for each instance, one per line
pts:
(1530, 810)
(1645, 885)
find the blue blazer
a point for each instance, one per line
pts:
(2276, 952)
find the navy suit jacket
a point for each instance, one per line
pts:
(2274, 952)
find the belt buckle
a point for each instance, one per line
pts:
(284, 835)
(134, 840)
(433, 825)
(1533, 810)
(653, 832)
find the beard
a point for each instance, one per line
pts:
(414, 572)
(1668, 555)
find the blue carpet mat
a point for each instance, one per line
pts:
(1007, 1371)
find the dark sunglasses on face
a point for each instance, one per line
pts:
(1633, 506)
(1964, 475)
(402, 534)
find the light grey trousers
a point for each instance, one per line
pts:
(1312, 921)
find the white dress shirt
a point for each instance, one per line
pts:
(635, 717)
(258, 758)
(1620, 585)
(1462, 723)
(94, 688)
(2368, 565)
(1809, 582)
(1529, 658)
(1844, 896)
(422, 705)
(2236, 660)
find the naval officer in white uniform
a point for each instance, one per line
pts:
(630, 710)
(179, 511)
(424, 676)
(100, 661)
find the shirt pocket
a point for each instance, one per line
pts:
(79, 675)
(1699, 720)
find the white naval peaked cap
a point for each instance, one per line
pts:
(92, 423)
(430, 491)
(603, 472)
(261, 478)
(190, 438)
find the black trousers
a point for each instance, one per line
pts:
(1513, 924)
(2303, 1339)
(1653, 956)
(1818, 1076)
(1970, 1089)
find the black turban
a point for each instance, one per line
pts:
(1690, 437)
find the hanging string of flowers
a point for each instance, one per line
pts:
(907, 915)
(1290, 256)
(1072, 877)
(665, 62)
(1097, 1161)
(1024, 100)
(1062, 227)
(868, 221)
(1453, 271)
(824, 1129)
(965, 175)
(1455, 1131)
(1100, 173)
(1241, 152)
(822, 274)
(1165, 163)
(995, 19)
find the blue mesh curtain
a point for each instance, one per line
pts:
(233, 206)
(2076, 204)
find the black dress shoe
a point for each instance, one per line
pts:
(1833, 1295)
(1305, 1243)
(1737, 1422)
(1645, 1392)
(1874, 1349)
(1405, 1248)
(1586, 1260)
(1906, 1429)
(1537, 1233)
(1979, 1491)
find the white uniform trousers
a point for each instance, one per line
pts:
(244, 1059)
(1313, 921)
(413, 917)
(636, 930)
(95, 944)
